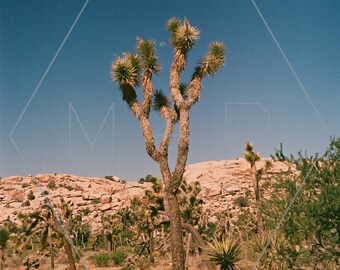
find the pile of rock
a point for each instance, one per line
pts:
(221, 183)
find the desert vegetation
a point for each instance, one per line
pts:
(137, 236)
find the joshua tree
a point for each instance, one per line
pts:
(132, 70)
(252, 157)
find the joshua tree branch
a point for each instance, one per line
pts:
(170, 118)
(175, 80)
(146, 130)
(183, 149)
(195, 87)
(147, 88)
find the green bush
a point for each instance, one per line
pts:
(25, 185)
(101, 259)
(26, 203)
(118, 257)
(31, 196)
(51, 185)
(241, 202)
(4, 235)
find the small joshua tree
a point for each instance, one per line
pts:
(132, 70)
(252, 157)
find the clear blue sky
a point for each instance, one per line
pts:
(256, 97)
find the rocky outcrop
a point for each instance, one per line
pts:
(222, 182)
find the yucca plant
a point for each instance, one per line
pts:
(225, 253)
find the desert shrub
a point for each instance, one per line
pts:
(68, 187)
(26, 203)
(241, 201)
(143, 263)
(101, 259)
(31, 196)
(21, 215)
(148, 179)
(109, 177)
(118, 257)
(86, 211)
(4, 235)
(25, 185)
(51, 185)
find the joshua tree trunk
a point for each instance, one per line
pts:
(2, 259)
(177, 248)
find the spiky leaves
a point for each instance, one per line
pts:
(173, 24)
(183, 38)
(125, 71)
(183, 88)
(147, 54)
(208, 66)
(225, 254)
(159, 100)
(249, 155)
(212, 62)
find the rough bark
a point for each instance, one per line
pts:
(177, 248)
(183, 149)
(175, 81)
(147, 93)
(194, 90)
(2, 259)
(191, 229)
(170, 117)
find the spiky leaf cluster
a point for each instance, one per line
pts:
(126, 70)
(183, 36)
(159, 100)
(212, 62)
(173, 24)
(249, 155)
(147, 54)
(225, 254)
